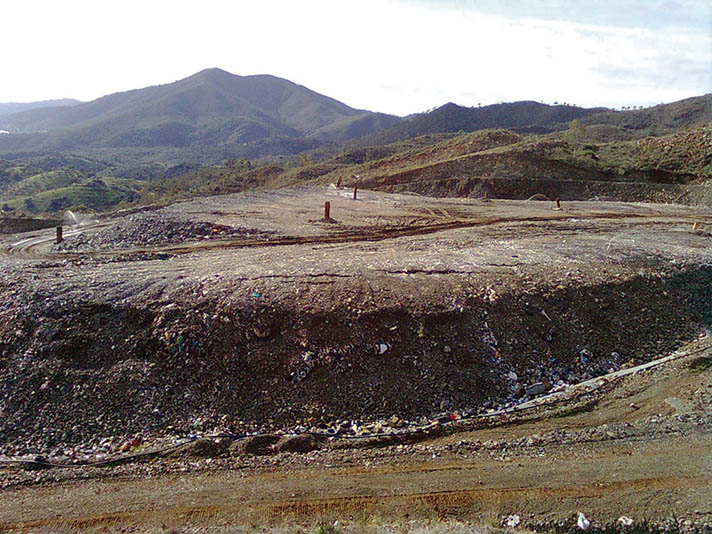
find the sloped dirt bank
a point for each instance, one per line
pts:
(521, 175)
(565, 189)
(72, 371)
(11, 225)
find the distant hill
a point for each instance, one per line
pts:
(533, 117)
(673, 168)
(657, 120)
(31, 190)
(9, 108)
(208, 116)
(524, 117)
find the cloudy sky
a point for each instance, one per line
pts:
(394, 56)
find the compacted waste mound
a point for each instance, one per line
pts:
(401, 309)
(71, 371)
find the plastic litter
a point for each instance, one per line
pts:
(585, 355)
(625, 521)
(582, 522)
(512, 521)
(536, 389)
(382, 348)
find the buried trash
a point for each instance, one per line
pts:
(536, 389)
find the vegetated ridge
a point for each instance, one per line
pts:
(533, 117)
(656, 154)
(206, 117)
(27, 188)
(500, 163)
(8, 108)
(527, 116)
(675, 168)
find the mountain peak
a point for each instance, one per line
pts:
(235, 115)
(213, 74)
(214, 71)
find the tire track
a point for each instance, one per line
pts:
(33, 248)
(441, 501)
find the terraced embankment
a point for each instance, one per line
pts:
(502, 164)
(636, 449)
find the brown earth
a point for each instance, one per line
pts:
(520, 174)
(13, 225)
(401, 305)
(640, 450)
(503, 164)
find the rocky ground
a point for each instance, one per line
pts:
(636, 451)
(399, 306)
(152, 229)
(398, 311)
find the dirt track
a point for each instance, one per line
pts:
(373, 217)
(651, 476)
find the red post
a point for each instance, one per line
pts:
(355, 191)
(327, 210)
(486, 195)
(558, 204)
(59, 235)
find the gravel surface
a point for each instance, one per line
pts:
(412, 309)
(399, 312)
(560, 441)
(152, 228)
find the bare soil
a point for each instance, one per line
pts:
(640, 450)
(399, 306)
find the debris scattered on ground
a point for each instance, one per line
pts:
(582, 522)
(512, 521)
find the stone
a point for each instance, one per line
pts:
(512, 521)
(204, 448)
(298, 443)
(257, 445)
(395, 422)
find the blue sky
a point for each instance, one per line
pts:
(653, 14)
(395, 56)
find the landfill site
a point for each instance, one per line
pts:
(317, 355)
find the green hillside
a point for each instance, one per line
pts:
(209, 116)
(534, 118)
(9, 108)
(27, 189)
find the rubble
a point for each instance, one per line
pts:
(268, 338)
(153, 228)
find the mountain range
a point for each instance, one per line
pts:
(213, 112)
(9, 108)
(214, 115)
